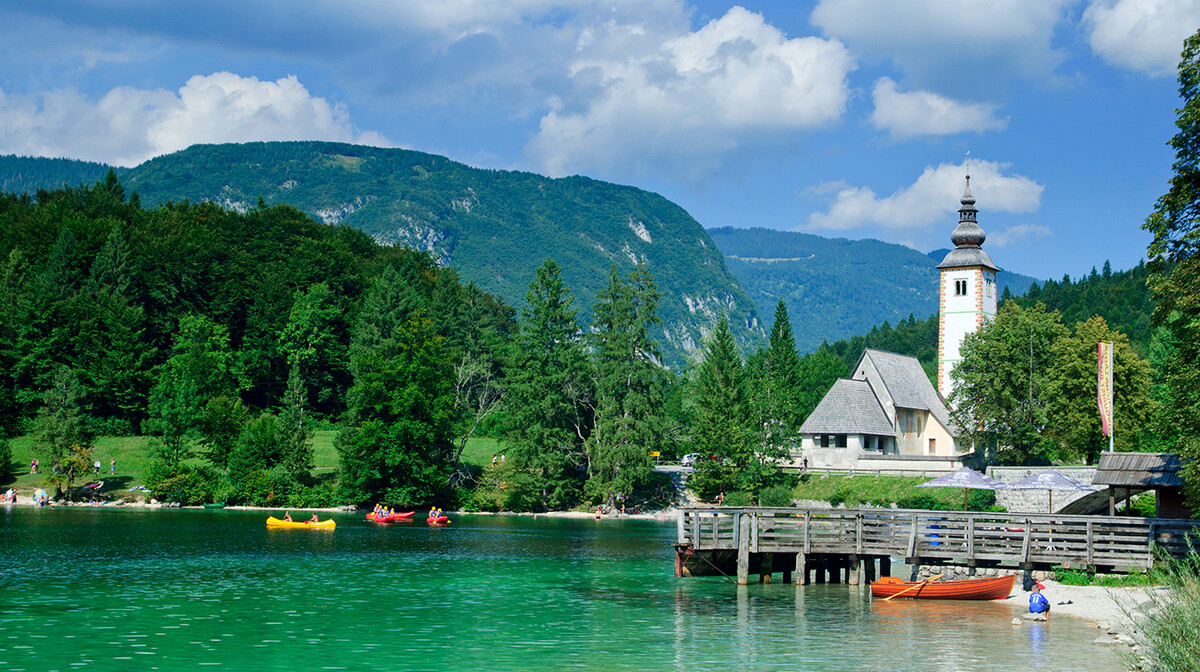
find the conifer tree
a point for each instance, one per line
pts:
(395, 444)
(722, 424)
(630, 386)
(61, 436)
(550, 393)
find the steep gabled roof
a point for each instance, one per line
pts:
(850, 407)
(908, 385)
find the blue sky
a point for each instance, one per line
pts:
(847, 118)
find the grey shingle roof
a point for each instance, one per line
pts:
(968, 255)
(1146, 470)
(850, 407)
(908, 385)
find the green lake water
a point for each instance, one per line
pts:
(89, 589)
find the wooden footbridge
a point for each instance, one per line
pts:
(825, 543)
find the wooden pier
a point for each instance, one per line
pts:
(822, 544)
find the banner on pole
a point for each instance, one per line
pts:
(1104, 386)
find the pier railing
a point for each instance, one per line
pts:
(933, 537)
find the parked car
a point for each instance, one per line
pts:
(689, 460)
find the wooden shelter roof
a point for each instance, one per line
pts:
(1139, 470)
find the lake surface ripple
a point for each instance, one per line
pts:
(184, 590)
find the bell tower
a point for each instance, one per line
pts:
(967, 294)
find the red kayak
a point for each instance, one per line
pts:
(392, 518)
(440, 520)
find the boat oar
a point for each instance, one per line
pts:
(932, 578)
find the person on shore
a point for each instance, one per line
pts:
(112, 467)
(501, 459)
(721, 498)
(493, 461)
(599, 512)
(1038, 604)
(96, 467)
(33, 465)
(287, 516)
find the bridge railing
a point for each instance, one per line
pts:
(1045, 539)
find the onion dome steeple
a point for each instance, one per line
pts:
(967, 237)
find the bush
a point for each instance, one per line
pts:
(711, 479)
(189, 486)
(737, 498)
(267, 487)
(1167, 624)
(1073, 577)
(921, 500)
(1144, 504)
(776, 496)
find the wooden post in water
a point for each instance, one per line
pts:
(885, 566)
(765, 568)
(801, 569)
(743, 550)
(853, 573)
(870, 568)
(820, 573)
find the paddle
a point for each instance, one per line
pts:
(932, 578)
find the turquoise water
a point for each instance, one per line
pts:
(184, 590)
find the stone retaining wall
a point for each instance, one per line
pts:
(1037, 501)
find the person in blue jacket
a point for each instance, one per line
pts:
(1038, 604)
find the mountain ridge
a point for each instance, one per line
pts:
(836, 288)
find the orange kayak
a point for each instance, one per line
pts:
(992, 588)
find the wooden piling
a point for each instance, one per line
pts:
(885, 566)
(870, 569)
(743, 557)
(854, 571)
(801, 569)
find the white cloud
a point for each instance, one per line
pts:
(948, 45)
(927, 200)
(684, 102)
(1144, 35)
(908, 114)
(127, 125)
(1017, 234)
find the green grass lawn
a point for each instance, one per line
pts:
(133, 455)
(884, 491)
(479, 451)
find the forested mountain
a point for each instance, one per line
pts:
(20, 175)
(836, 288)
(495, 227)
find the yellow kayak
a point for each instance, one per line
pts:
(272, 521)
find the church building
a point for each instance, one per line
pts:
(888, 412)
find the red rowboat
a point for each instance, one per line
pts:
(993, 588)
